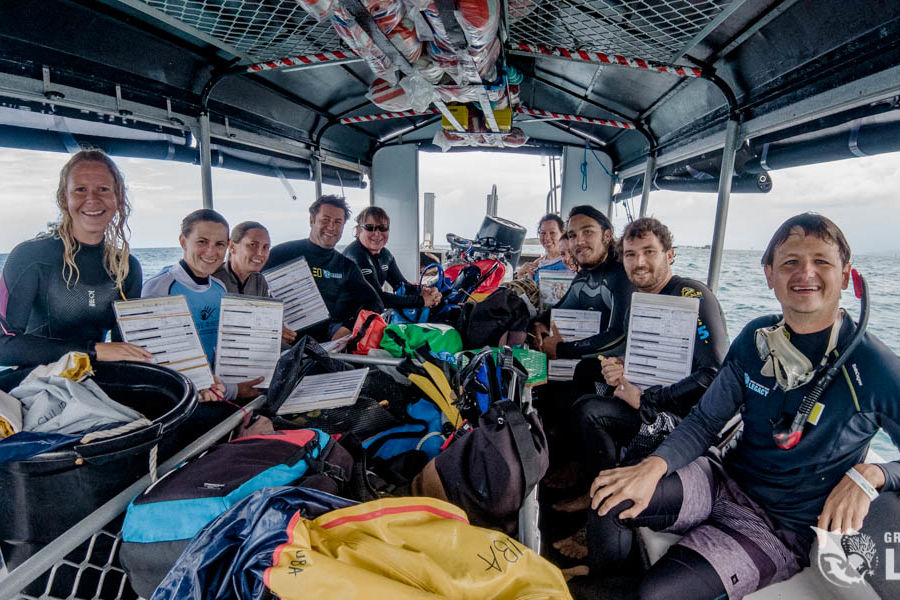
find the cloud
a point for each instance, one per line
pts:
(860, 195)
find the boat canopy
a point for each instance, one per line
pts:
(655, 88)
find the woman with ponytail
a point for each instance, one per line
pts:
(57, 290)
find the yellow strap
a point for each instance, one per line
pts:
(426, 385)
(440, 380)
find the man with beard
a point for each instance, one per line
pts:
(600, 284)
(341, 283)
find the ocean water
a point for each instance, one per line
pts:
(742, 292)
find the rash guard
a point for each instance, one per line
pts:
(792, 485)
(41, 317)
(380, 268)
(203, 295)
(342, 285)
(605, 288)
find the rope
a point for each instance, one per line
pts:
(154, 451)
(584, 167)
(122, 429)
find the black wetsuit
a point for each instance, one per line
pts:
(381, 267)
(605, 425)
(792, 485)
(605, 288)
(43, 318)
(342, 285)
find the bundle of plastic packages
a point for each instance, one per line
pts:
(445, 140)
(447, 61)
(480, 20)
(413, 93)
(388, 96)
(486, 60)
(404, 39)
(439, 33)
(320, 9)
(467, 93)
(387, 13)
(426, 67)
(519, 9)
(361, 43)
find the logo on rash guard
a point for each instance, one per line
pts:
(755, 387)
(92, 298)
(206, 312)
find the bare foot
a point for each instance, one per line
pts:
(575, 504)
(563, 477)
(576, 571)
(574, 546)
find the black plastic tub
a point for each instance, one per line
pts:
(41, 497)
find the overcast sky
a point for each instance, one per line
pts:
(861, 195)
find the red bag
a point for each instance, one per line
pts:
(367, 332)
(490, 284)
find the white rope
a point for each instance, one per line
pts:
(122, 429)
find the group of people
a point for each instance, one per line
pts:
(57, 290)
(642, 453)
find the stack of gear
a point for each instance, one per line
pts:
(497, 456)
(275, 542)
(160, 522)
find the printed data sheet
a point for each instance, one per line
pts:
(328, 390)
(164, 328)
(249, 342)
(293, 284)
(661, 332)
(576, 324)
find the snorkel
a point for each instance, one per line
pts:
(788, 437)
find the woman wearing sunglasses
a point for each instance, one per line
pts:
(378, 265)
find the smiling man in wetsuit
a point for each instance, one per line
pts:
(600, 284)
(341, 283)
(747, 521)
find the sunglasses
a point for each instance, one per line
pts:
(370, 227)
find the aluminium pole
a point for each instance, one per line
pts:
(732, 140)
(318, 176)
(649, 172)
(205, 161)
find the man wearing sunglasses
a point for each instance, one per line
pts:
(748, 519)
(342, 285)
(378, 265)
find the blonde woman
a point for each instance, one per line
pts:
(57, 290)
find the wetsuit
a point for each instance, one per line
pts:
(749, 519)
(605, 288)
(606, 425)
(42, 318)
(342, 285)
(255, 285)
(381, 267)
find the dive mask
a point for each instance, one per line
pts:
(789, 366)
